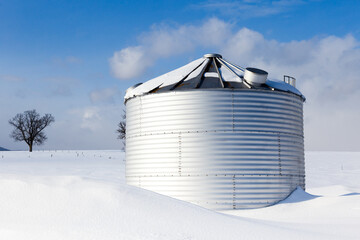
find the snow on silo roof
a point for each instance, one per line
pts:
(210, 71)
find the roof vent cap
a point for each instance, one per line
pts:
(255, 76)
(212, 55)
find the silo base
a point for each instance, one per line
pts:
(223, 192)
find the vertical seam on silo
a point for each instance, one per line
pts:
(302, 160)
(140, 115)
(233, 120)
(234, 192)
(179, 153)
(303, 149)
(279, 154)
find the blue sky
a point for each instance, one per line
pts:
(68, 58)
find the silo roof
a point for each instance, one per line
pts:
(210, 71)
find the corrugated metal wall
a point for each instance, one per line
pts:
(218, 148)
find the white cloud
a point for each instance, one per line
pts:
(91, 118)
(163, 41)
(105, 95)
(81, 127)
(327, 70)
(11, 78)
(61, 90)
(66, 61)
(130, 62)
(249, 8)
(72, 59)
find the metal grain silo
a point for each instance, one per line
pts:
(217, 135)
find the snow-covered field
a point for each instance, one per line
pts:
(83, 195)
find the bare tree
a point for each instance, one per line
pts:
(122, 129)
(29, 126)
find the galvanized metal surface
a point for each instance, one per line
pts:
(218, 148)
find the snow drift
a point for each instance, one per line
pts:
(83, 195)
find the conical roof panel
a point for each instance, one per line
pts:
(210, 71)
